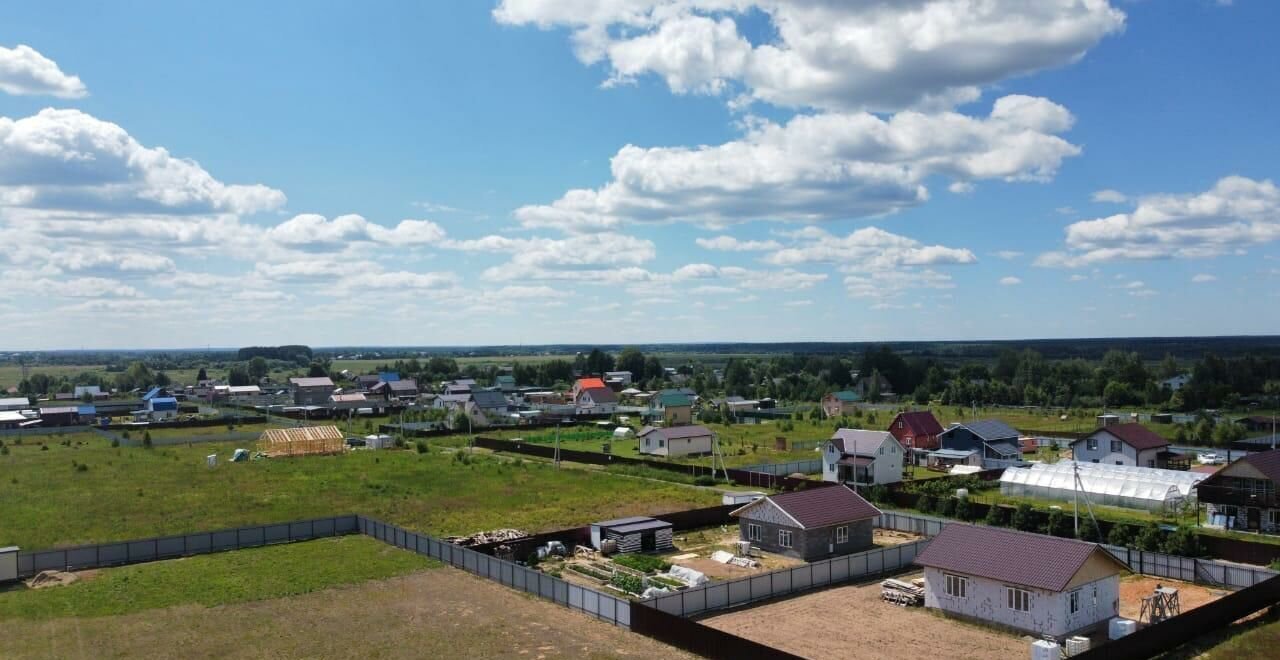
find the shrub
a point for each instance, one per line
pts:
(996, 516)
(925, 504)
(642, 563)
(125, 435)
(1088, 530)
(81, 467)
(963, 510)
(878, 493)
(1183, 541)
(421, 446)
(1120, 535)
(115, 442)
(146, 440)
(704, 480)
(1024, 518)
(1149, 538)
(1058, 524)
(4, 451)
(946, 507)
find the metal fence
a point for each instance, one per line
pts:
(735, 593)
(811, 466)
(1156, 564)
(594, 603)
(181, 545)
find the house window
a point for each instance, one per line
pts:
(662, 443)
(831, 467)
(1115, 447)
(881, 452)
(1119, 462)
(1091, 444)
(1093, 460)
(784, 538)
(754, 533)
(957, 586)
(900, 424)
(1274, 516)
(1229, 511)
(842, 534)
(1074, 604)
(1018, 599)
(1151, 462)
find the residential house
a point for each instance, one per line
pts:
(246, 395)
(994, 444)
(367, 382)
(676, 440)
(840, 404)
(1255, 423)
(459, 386)
(451, 402)
(1176, 383)
(1123, 444)
(15, 403)
(675, 407)
(1033, 583)
(862, 458)
(595, 401)
(810, 524)
(161, 408)
(492, 405)
(917, 432)
(622, 378)
(586, 384)
(59, 416)
(313, 391)
(505, 383)
(862, 386)
(1245, 494)
(348, 400)
(388, 376)
(93, 391)
(402, 390)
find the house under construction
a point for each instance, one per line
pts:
(302, 441)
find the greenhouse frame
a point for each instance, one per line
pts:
(1124, 486)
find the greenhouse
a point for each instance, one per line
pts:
(1124, 486)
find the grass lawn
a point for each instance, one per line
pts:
(1079, 421)
(1253, 640)
(217, 579)
(131, 492)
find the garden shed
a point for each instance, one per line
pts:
(634, 534)
(1126, 486)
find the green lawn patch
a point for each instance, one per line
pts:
(218, 579)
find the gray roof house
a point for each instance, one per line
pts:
(862, 458)
(676, 440)
(994, 443)
(811, 524)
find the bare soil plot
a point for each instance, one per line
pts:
(1190, 596)
(703, 542)
(852, 622)
(441, 613)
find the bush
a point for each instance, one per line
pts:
(1149, 538)
(146, 440)
(1088, 530)
(996, 516)
(421, 446)
(963, 510)
(1183, 542)
(704, 480)
(642, 563)
(1058, 524)
(115, 442)
(4, 451)
(1024, 518)
(1120, 535)
(878, 493)
(946, 507)
(81, 467)
(925, 504)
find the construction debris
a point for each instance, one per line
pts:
(487, 537)
(45, 579)
(901, 593)
(723, 557)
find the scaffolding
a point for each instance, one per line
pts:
(1126, 486)
(302, 441)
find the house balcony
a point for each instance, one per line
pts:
(1237, 497)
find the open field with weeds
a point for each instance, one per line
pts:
(442, 613)
(132, 492)
(217, 579)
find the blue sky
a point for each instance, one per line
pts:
(635, 170)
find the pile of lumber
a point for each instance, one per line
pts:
(486, 537)
(901, 593)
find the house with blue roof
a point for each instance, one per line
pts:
(161, 408)
(987, 443)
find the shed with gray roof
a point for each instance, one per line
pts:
(676, 440)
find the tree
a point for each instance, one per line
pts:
(873, 390)
(1120, 535)
(1057, 524)
(995, 516)
(237, 375)
(201, 375)
(631, 359)
(1088, 530)
(1149, 538)
(258, 368)
(653, 369)
(598, 362)
(1024, 518)
(1182, 542)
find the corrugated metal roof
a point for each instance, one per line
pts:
(991, 429)
(845, 395)
(621, 521)
(673, 398)
(859, 441)
(601, 395)
(820, 507)
(1012, 557)
(641, 526)
(921, 422)
(1135, 435)
(1266, 462)
(313, 381)
(678, 432)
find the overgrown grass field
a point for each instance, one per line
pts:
(217, 579)
(132, 492)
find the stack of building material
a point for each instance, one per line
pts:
(901, 593)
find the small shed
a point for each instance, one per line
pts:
(634, 534)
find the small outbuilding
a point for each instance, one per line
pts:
(623, 432)
(634, 534)
(676, 441)
(1042, 585)
(809, 524)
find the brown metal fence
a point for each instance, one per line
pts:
(697, 638)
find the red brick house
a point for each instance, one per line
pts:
(916, 431)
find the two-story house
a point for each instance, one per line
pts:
(917, 432)
(1122, 444)
(1245, 494)
(311, 391)
(595, 401)
(862, 458)
(839, 404)
(674, 406)
(989, 443)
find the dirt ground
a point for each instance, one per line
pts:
(852, 622)
(440, 613)
(1134, 587)
(703, 542)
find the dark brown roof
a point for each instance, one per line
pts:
(1005, 555)
(823, 507)
(1135, 435)
(600, 394)
(1266, 462)
(921, 422)
(677, 432)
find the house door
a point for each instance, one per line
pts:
(1255, 518)
(648, 542)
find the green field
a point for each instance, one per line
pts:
(217, 579)
(131, 492)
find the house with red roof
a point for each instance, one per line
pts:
(916, 431)
(1245, 494)
(1124, 444)
(587, 384)
(1042, 585)
(811, 524)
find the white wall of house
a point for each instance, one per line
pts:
(887, 468)
(649, 444)
(1049, 613)
(1110, 450)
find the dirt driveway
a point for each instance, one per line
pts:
(1134, 587)
(440, 613)
(852, 622)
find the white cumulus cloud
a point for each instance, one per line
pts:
(25, 72)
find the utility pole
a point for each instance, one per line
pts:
(557, 454)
